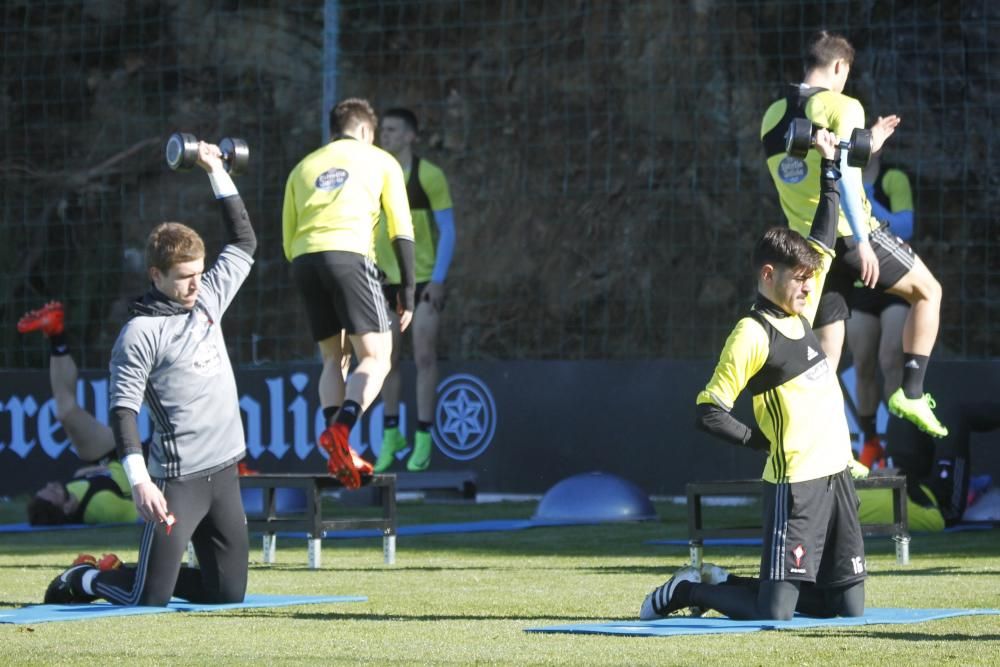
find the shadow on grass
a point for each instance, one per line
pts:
(657, 570)
(417, 618)
(952, 571)
(905, 636)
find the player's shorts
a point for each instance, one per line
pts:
(391, 293)
(895, 259)
(895, 256)
(341, 290)
(832, 304)
(812, 532)
(872, 301)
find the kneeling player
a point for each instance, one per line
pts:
(171, 353)
(813, 550)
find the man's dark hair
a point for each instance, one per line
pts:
(825, 47)
(42, 512)
(780, 246)
(350, 113)
(404, 115)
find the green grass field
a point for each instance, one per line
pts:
(466, 599)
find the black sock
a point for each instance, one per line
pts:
(424, 426)
(348, 415)
(737, 580)
(868, 428)
(681, 596)
(914, 367)
(390, 421)
(75, 578)
(329, 413)
(60, 344)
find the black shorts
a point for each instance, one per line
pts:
(391, 293)
(812, 532)
(895, 256)
(872, 301)
(341, 290)
(832, 305)
(895, 259)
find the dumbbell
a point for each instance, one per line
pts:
(799, 139)
(182, 152)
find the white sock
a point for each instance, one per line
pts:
(87, 582)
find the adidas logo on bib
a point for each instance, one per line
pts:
(811, 353)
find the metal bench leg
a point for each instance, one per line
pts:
(902, 549)
(270, 544)
(389, 549)
(697, 550)
(315, 552)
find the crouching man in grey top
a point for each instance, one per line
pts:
(171, 354)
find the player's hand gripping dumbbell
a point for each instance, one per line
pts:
(182, 152)
(800, 138)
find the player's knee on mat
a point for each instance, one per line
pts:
(852, 601)
(229, 592)
(154, 600)
(228, 597)
(779, 613)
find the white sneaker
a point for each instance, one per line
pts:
(713, 574)
(710, 574)
(659, 604)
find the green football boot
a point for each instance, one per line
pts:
(920, 411)
(392, 442)
(420, 459)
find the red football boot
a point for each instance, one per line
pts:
(85, 559)
(243, 469)
(341, 462)
(48, 319)
(872, 452)
(109, 562)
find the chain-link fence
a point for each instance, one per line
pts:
(603, 156)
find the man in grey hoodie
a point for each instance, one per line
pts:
(171, 353)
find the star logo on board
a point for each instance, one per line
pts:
(462, 416)
(465, 419)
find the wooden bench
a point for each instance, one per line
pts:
(310, 520)
(698, 532)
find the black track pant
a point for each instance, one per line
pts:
(209, 514)
(747, 598)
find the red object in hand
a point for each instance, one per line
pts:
(170, 522)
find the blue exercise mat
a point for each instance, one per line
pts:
(686, 625)
(47, 613)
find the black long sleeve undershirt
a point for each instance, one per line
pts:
(238, 228)
(125, 428)
(718, 422)
(824, 225)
